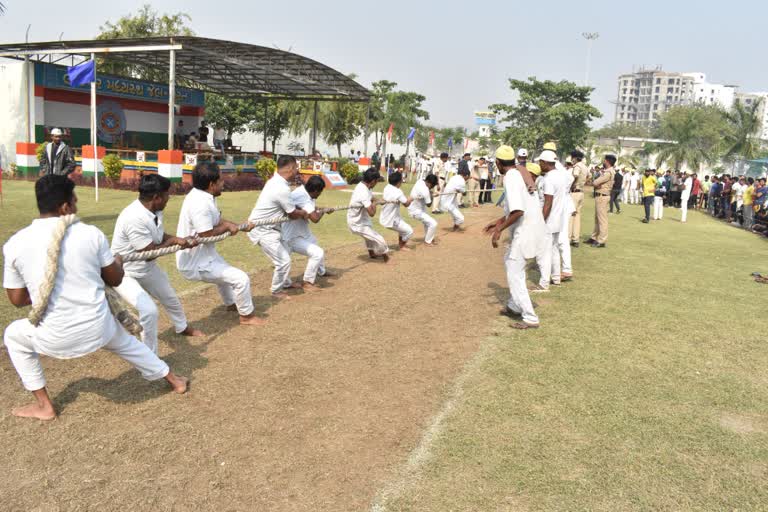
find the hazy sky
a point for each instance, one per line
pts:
(460, 54)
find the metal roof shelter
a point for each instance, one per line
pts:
(224, 67)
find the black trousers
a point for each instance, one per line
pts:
(485, 197)
(648, 204)
(615, 200)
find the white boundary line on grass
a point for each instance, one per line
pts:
(409, 474)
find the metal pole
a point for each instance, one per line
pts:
(266, 123)
(94, 139)
(171, 97)
(590, 37)
(367, 134)
(314, 130)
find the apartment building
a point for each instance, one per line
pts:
(646, 94)
(750, 98)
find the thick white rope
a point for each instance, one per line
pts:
(119, 308)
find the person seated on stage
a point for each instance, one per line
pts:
(200, 217)
(298, 237)
(139, 227)
(361, 210)
(274, 202)
(390, 213)
(421, 197)
(449, 201)
(77, 320)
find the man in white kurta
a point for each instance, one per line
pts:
(275, 202)
(139, 227)
(200, 216)
(421, 197)
(449, 202)
(297, 235)
(361, 211)
(556, 194)
(389, 217)
(78, 320)
(685, 196)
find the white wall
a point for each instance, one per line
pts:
(74, 115)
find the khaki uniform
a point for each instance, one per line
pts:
(580, 173)
(603, 186)
(473, 186)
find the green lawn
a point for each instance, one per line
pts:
(645, 389)
(19, 209)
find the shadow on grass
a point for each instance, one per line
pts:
(98, 218)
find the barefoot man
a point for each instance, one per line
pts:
(275, 201)
(421, 197)
(298, 237)
(361, 210)
(200, 217)
(390, 213)
(78, 320)
(139, 227)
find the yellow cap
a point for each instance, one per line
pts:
(505, 153)
(533, 168)
(550, 146)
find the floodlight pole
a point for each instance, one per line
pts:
(266, 121)
(94, 138)
(367, 134)
(591, 37)
(171, 96)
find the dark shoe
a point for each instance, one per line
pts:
(599, 246)
(575, 244)
(645, 221)
(590, 241)
(618, 212)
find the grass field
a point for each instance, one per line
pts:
(645, 388)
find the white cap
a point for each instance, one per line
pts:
(56, 131)
(522, 152)
(548, 156)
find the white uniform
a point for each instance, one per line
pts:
(685, 196)
(527, 239)
(556, 184)
(421, 197)
(199, 214)
(450, 202)
(78, 320)
(634, 191)
(274, 201)
(297, 237)
(359, 221)
(135, 229)
(390, 213)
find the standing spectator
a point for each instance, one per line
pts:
(352, 155)
(580, 173)
(704, 197)
(219, 138)
(685, 195)
(748, 212)
(675, 190)
(202, 132)
(715, 192)
(695, 192)
(725, 198)
(57, 157)
(376, 160)
(625, 186)
(761, 193)
(658, 198)
(180, 135)
(485, 181)
(463, 165)
(618, 186)
(602, 186)
(635, 187)
(737, 199)
(358, 156)
(649, 193)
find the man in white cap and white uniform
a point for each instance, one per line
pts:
(685, 196)
(57, 157)
(556, 209)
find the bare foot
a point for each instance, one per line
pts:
(328, 273)
(281, 296)
(386, 258)
(36, 411)
(293, 286)
(311, 288)
(405, 248)
(430, 244)
(177, 382)
(372, 255)
(192, 332)
(457, 229)
(232, 307)
(252, 320)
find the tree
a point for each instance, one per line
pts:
(547, 111)
(616, 130)
(695, 135)
(277, 121)
(743, 138)
(390, 106)
(340, 122)
(145, 23)
(233, 115)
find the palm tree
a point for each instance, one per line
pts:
(696, 134)
(742, 141)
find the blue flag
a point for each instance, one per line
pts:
(412, 134)
(450, 142)
(82, 74)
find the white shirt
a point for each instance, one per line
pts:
(483, 170)
(527, 233)
(361, 196)
(556, 185)
(219, 134)
(688, 187)
(421, 196)
(299, 228)
(274, 201)
(135, 229)
(78, 320)
(456, 185)
(199, 213)
(634, 179)
(390, 213)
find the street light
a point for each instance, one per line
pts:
(590, 37)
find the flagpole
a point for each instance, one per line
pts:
(94, 142)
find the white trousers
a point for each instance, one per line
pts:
(625, 195)
(519, 299)
(658, 208)
(373, 241)
(451, 207)
(315, 254)
(635, 195)
(563, 246)
(139, 291)
(19, 342)
(684, 208)
(234, 285)
(280, 256)
(403, 229)
(430, 226)
(545, 262)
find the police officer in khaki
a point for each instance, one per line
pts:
(580, 173)
(603, 185)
